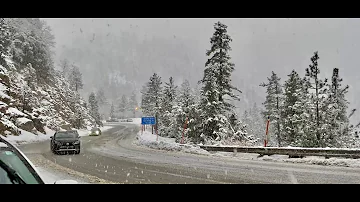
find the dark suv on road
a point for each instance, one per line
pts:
(65, 141)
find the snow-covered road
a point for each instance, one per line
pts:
(122, 155)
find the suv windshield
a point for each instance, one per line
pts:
(65, 135)
(14, 162)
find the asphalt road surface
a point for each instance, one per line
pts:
(113, 157)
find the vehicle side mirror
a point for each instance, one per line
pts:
(51, 137)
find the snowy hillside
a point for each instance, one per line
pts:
(32, 107)
(34, 97)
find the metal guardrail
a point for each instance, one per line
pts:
(290, 151)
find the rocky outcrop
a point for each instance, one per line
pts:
(25, 124)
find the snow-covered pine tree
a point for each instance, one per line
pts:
(144, 100)
(246, 118)
(154, 95)
(123, 105)
(217, 89)
(338, 133)
(317, 104)
(168, 119)
(112, 111)
(293, 109)
(133, 104)
(257, 125)
(101, 97)
(186, 96)
(5, 40)
(194, 124)
(34, 38)
(75, 78)
(181, 109)
(273, 105)
(65, 67)
(94, 109)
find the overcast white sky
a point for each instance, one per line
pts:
(259, 45)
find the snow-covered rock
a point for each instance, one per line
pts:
(25, 123)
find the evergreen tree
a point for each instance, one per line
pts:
(75, 78)
(123, 105)
(65, 67)
(273, 104)
(181, 110)
(5, 40)
(32, 43)
(168, 119)
(169, 96)
(153, 97)
(144, 99)
(94, 109)
(101, 98)
(186, 96)
(338, 130)
(293, 108)
(112, 111)
(257, 124)
(133, 104)
(317, 103)
(216, 87)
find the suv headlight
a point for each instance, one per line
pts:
(77, 142)
(97, 132)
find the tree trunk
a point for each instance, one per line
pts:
(317, 111)
(278, 118)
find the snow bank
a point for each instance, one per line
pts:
(26, 137)
(168, 144)
(149, 140)
(136, 121)
(315, 160)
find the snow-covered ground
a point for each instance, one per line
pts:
(26, 137)
(169, 144)
(148, 139)
(50, 176)
(136, 121)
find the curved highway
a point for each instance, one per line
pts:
(113, 157)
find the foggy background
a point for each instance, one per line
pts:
(120, 55)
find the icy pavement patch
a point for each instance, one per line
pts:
(168, 144)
